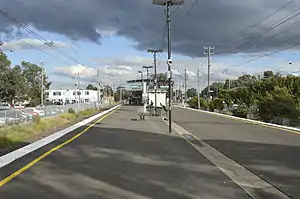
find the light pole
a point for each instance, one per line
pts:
(168, 4)
(208, 50)
(147, 67)
(155, 51)
(42, 84)
(198, 81)
(141, 72)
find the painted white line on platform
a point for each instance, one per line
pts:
(14, 155)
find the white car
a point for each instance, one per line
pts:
(34, 110)
(4, 106)
(19, 106)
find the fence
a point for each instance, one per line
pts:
(15, 116)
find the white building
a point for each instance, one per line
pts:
(70, 96)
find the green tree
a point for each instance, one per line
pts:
(33, 75)
(191, 92)
(279, 103)
(18, 85)
(268, 74)
(5, 75)
(91, 87)
(161, 77)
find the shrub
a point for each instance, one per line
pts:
(204, 103)
(37, 119)
(68, 116)
(71, 111)
(241, 111)
(193, 103)
(218, 104)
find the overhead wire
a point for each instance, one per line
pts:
(193, 6)
(272, 27)
(49, 44)
(271, 53)
(292, 26)
(71, 44)
(53, 56)
(268, 16)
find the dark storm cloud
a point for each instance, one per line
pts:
(215, 22)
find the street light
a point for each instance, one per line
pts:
(147, 67)
(168, 4)
(141, 75)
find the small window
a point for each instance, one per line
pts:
(86, 100)
(73, 92)
(57, 93)
(87, 92)
(78, 93)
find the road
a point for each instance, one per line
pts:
(121, 157)
(272, 154)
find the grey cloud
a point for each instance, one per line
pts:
(215, 22)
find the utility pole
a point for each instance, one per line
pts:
(78, 87)
(113, 90)
(120, 94)
(98, 86)
(75, 89)
(185, 85)
(155, 51)
(208, 50)
(147, 67)
(168, 4)
(42, 84)
(198, 81)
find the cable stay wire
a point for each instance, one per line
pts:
(49, 44)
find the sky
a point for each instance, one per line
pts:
(113, 36)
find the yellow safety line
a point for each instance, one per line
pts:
(23, 169)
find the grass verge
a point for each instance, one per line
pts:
(20, 134)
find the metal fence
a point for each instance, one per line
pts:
(16, 116)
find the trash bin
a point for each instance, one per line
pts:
(151, 111)
(158, 111)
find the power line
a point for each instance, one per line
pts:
(283, 20)
(292, 26)
(270, 53)
(44, 51)
(49, 44)
(71, 43)
(193, 6)
(269, 16)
